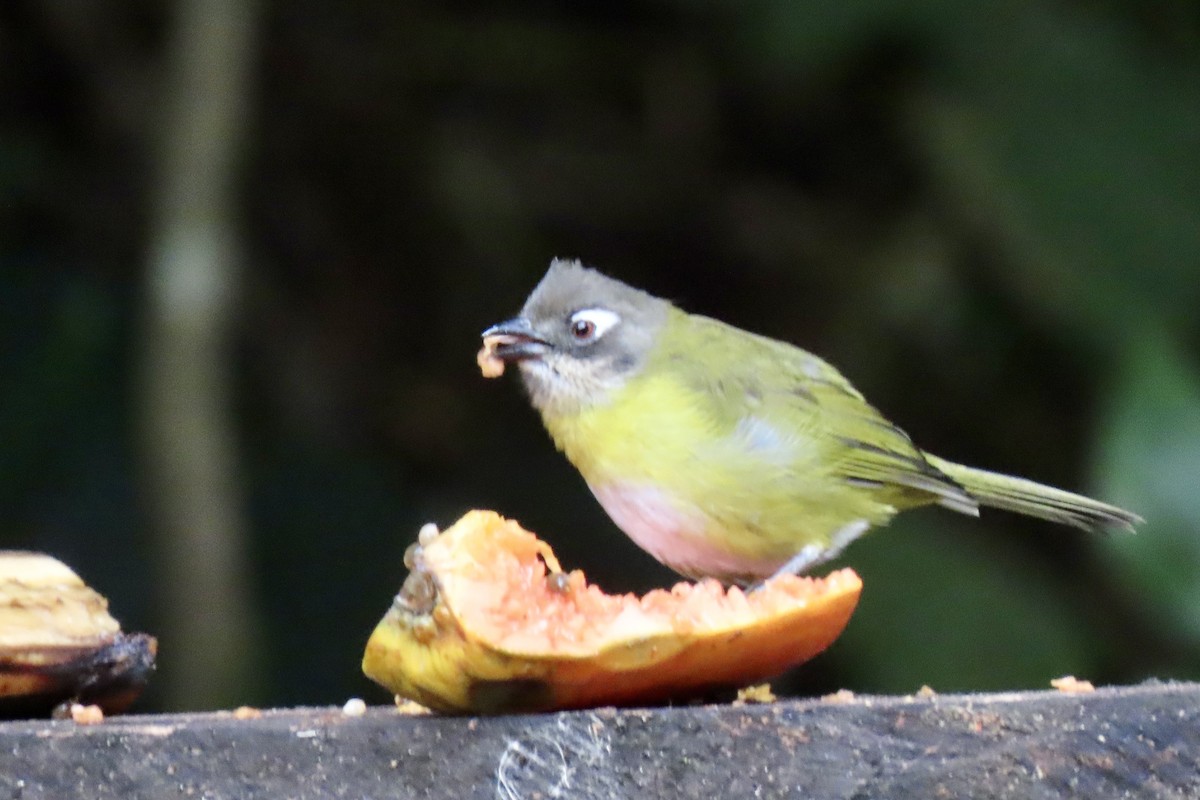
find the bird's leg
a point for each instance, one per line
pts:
(811, 555)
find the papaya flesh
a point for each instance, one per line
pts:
(488, 622)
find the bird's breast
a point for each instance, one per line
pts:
(677, 534)
(648, 431)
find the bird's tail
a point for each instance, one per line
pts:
(1035, 500)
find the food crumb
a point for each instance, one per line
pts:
(489, 365)
(926, 691)
(409, 706)
(354, 707)
(1069, 684)
(246, 712)
(86, 715)
(840, 696)
(760, 693)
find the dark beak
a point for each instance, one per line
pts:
(515, 340)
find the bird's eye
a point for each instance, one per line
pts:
(591, 323)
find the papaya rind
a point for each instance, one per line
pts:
(451, 659)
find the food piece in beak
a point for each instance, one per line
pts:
(512, 340)
(490, 364)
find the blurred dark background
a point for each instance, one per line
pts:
(246, 251)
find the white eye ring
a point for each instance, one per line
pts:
(590, 324)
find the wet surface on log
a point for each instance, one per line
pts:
(1139, 741)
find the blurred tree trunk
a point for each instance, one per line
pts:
(209, 635)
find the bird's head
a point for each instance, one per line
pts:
(580, 336)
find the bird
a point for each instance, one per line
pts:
(723, 453)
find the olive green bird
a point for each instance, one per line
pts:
(725, 454)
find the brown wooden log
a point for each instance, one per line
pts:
(1141, 741)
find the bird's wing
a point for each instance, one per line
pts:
(764, 386)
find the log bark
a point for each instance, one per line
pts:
(1141, 741)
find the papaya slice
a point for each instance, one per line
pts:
(488, 622)
(59, 645)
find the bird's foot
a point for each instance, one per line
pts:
(811, 555)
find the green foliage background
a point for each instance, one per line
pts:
(986, 214)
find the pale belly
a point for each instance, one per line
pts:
(677, 536)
